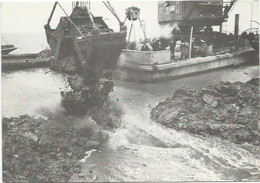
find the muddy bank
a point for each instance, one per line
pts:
(49, 150)
(226, 110)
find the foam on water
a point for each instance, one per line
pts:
(171, 155)
(88, 154)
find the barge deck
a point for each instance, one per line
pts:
(23, 61)
(156, 71)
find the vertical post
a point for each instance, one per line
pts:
(191, 33)
(132, 24)
(130, 32)
(236, 25)
(220, 28)
(142, 29)
(251, 15)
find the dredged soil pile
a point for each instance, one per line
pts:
(226, 110)
(40, 150)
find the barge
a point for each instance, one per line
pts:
(156, 67)
(23, 61)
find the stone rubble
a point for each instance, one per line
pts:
(227, 110)
(49, 150)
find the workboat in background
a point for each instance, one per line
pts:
(5, 49)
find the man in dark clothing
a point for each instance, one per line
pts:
(172, 47)
(145, 47)
(157, 45)
(184, 49)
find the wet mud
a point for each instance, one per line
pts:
(227, 110)
(49, 150)
(87, 93)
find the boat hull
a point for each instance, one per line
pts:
(5, 49)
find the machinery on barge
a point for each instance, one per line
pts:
(199, 14)
(196, 19)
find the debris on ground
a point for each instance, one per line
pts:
(226, 110)
(49, 150)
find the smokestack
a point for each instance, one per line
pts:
(236, 25)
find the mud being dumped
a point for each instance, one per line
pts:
(49, 150)
(87, 92)
(226, 110)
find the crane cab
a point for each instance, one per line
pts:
(189, 13)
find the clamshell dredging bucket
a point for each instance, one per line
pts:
(82, 40)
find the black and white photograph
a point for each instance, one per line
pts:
(130, 91)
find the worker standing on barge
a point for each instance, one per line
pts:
(172, 47)
(184, 49)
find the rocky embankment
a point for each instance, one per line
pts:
(40, 150)
(226, 110)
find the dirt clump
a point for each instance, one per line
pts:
(226, 110)
(87, 92)
(49, 150)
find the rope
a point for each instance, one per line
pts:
(111, 9)
(70, 20)
(130, 32)
(114, 12)
(107, 7)
(143, 29)
(133, 27)
(232, 7)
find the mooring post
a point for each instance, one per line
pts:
(236, 24)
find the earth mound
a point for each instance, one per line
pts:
(49, 150)
(226, 110)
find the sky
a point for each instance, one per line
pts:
(30, 17)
